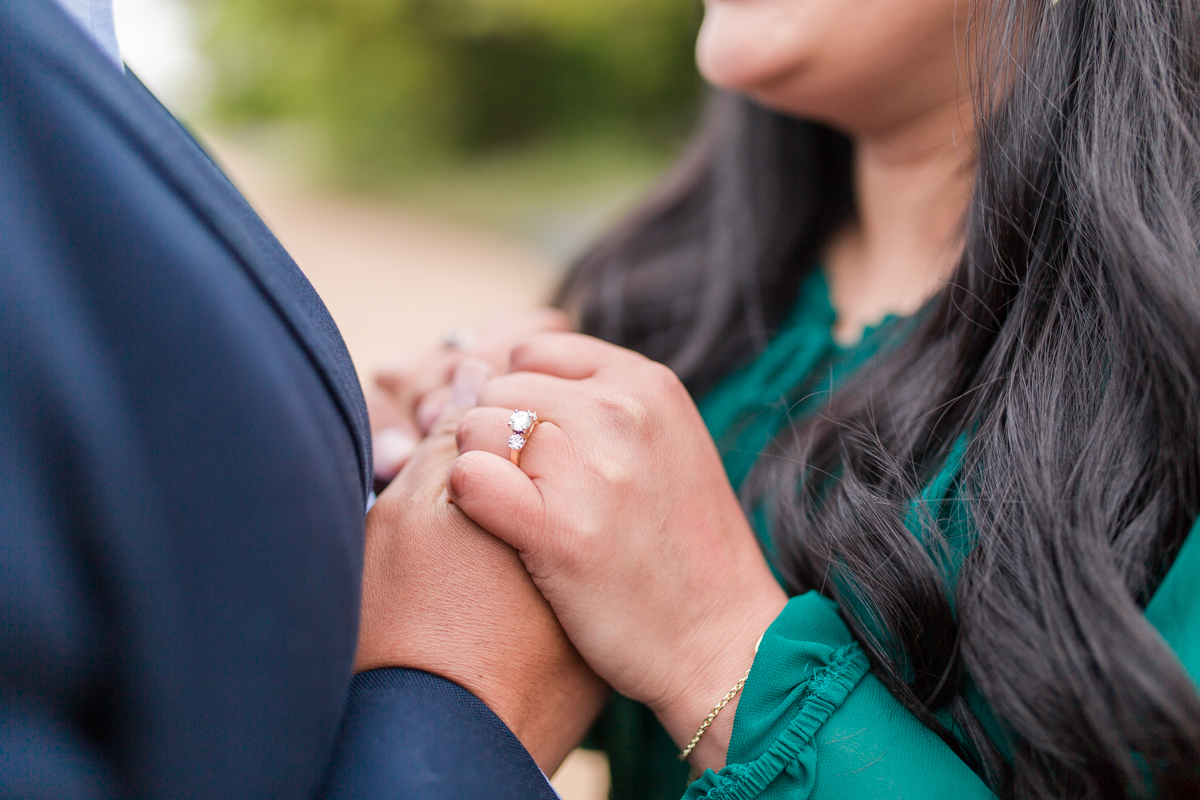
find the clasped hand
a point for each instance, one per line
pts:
(624, 519)
(627, 523)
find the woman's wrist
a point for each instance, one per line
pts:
(715, 659)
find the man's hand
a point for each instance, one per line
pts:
(444, 596)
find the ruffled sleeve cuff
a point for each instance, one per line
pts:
(807, 664)
(812, 724)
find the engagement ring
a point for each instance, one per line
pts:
(521, 423)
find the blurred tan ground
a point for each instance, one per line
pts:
(395, 278)
(392, 277)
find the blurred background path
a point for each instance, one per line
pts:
(392, 276)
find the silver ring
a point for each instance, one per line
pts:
(460, 339)
(521, 423)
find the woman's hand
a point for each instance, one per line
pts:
(623, 515)
(409, 393)
(443, 596)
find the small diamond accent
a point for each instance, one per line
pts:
(516, 441)
(522, 421)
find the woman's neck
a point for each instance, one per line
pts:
(912, 189)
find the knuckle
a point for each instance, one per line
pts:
(662, 380)
(624, 411)
(614, 474)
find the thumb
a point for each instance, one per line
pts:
(499, 497)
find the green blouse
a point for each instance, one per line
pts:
(812, 722)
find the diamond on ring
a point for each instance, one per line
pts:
(521, 423)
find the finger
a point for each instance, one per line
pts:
(407, 381)
(391, 448)
(550, 397)
(470, 377)
(393, 435)
(430, 408)
(547, 450)
(415, 382)
(498, 339)
(498, 496)
(567, 355)
(381, 409)
(486, 429)
(498, 334)
(429, 462)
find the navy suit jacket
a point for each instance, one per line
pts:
(184, 462)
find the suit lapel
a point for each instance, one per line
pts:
(174, 154)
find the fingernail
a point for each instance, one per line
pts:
(469, 378)
(391, 448)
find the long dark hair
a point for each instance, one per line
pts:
(1065, 350)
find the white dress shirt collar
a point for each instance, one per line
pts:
(96, 19)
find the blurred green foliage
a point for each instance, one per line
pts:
(393, 86)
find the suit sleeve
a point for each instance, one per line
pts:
(414, 735)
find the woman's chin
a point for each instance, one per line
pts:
(747, 52)
(739, 69)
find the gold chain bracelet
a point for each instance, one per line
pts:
(712, 715)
